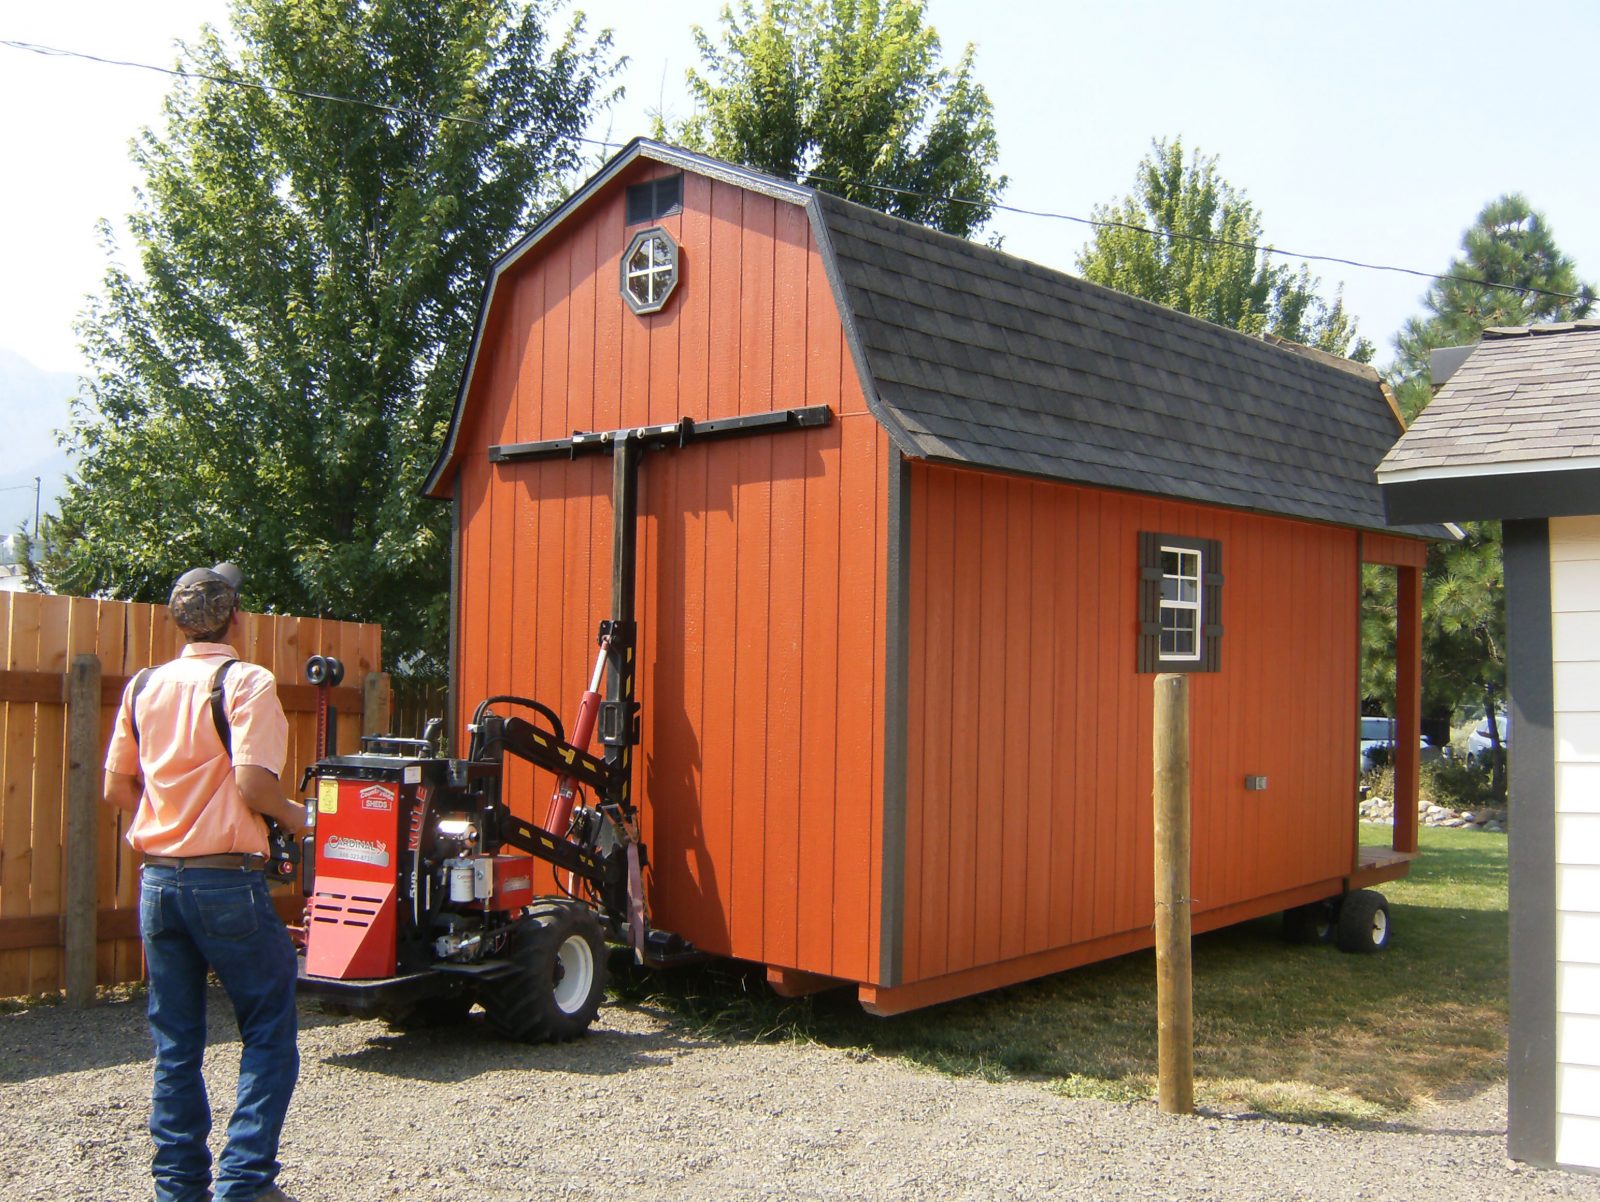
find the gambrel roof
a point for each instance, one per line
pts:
(973, 357)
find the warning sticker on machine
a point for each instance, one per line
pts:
(362, 851)
(378, 797)
(327, 797)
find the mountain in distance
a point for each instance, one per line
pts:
(34, 404)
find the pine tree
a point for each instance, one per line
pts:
(1508, 246)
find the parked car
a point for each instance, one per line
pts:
(1377, 737)
(1478, 742)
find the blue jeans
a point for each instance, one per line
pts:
(218, 918)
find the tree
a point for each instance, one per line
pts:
(848, 96)
(273, 382)
(1509, 245)
(1187, 239)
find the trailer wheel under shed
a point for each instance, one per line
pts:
(895, 655)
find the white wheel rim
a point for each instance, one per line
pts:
(1380, 928)
(574, 974)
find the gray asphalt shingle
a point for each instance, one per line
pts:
(1525, 394)
(991, 361)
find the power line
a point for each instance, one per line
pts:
(1254, 248)
(304, 94)
(1093, 222)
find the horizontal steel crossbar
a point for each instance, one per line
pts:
(673, 434)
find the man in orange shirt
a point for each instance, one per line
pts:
(195, 755)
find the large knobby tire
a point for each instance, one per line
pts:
(1363, 922)
(1314, 923)
(560, 954)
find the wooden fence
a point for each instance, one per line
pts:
(44, 642)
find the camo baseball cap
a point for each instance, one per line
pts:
(203, 598)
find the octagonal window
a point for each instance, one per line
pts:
(649, 270)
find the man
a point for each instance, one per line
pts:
(198, 806)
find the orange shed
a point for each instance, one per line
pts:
(896, 633)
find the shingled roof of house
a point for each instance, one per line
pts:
(1523, 395)
(971, 356)
(1514, 432)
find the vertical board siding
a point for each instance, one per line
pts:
(1575, 675)
(1029, 791)
(760, 576)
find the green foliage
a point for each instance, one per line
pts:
(1207, 258)
(1461, 786)
(1452, 782)
(273, 379)
(849, 96)
(1378, 613)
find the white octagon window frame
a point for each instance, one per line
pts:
(1180, 602)
(648, 285)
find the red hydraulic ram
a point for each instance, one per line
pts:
(559, 815)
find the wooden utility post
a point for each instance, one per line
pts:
(1174, 969)
(83, 804)
(376, 701)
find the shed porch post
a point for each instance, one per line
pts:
(1407, 705)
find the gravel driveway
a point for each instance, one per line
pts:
(642, 1108)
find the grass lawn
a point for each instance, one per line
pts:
(1301, 1033)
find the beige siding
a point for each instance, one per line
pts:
(1575, 602)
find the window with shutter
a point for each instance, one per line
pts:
(1180, 604)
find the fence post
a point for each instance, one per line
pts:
(83, 801)
(375, 700)
(1174, 968)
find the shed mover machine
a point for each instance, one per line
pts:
(419, 878)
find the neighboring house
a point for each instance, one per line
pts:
(896, 656)
(1514, 435)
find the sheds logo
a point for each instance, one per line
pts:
(378, 797)
(361, 851)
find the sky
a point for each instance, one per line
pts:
(1368, 131)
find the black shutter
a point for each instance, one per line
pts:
(1149, 640)
(1211, 607)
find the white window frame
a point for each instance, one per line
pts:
(1198, 580)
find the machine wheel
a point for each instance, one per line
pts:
(1363, 922)
(560, 954)
(1314, 923)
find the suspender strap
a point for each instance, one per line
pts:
(219, 711)
(219, 708)
(140, 679)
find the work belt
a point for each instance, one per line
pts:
(232, 859)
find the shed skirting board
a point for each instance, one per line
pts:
(1575, 693)
(886, 1000)
(1531, 1067)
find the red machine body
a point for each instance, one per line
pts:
(350, 932)
(511, 882)
(362, 917)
